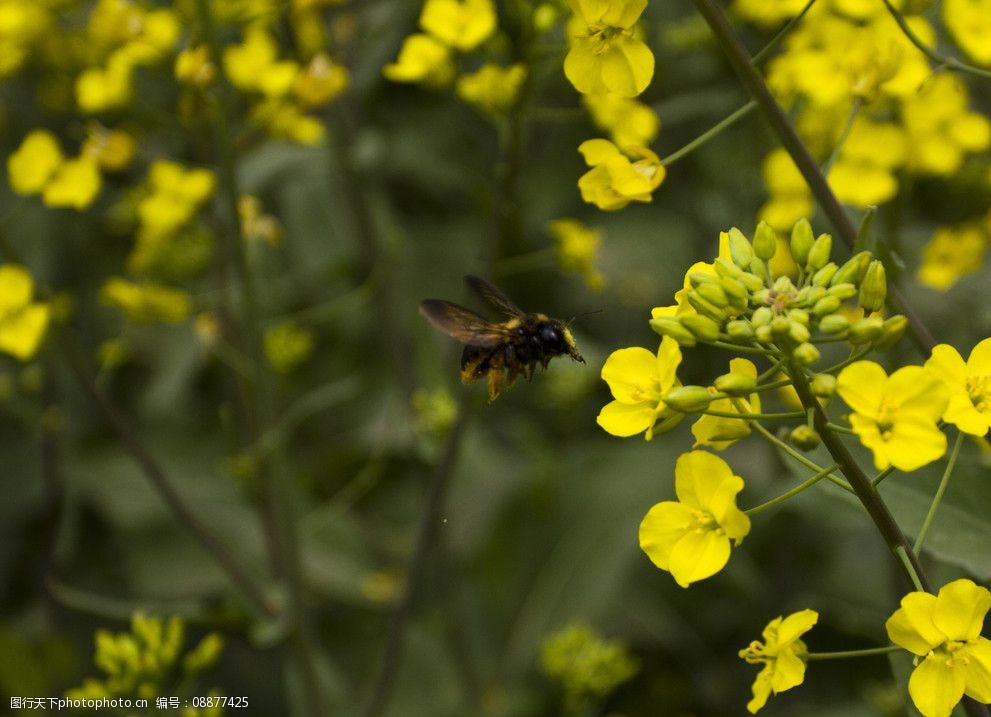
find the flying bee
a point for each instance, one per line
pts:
(501, 351)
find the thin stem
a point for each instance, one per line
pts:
(914, 575)
(769, 47)
(843, 654)
(776, 117)
(854, 356)
(742, 349)
(940, 60)
(846, 430)
(876, 481)
(778, 443)
(793, 492)
(754, 416)
(938, 498)
(429, 521)
(838, 147)
(714, 131)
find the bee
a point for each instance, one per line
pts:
(501, 351)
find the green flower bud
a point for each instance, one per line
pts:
(798, 333)
(725, 268)
(704, 328)
(783, 285)
(780, 326)
(819, 254)
(823, 385)
(853, 271)
(805, 438)
(761, 296)
(669, 326)
(801, 241)
(761, 316)
(842, 291)
(765, 241)
(824, 275)
(865, 330)
(874, 287)
(763, 334)
(826, 306)
(753, 282)
(758, 267)
(706, 307)
(799, 315)
(714, 294)
(735, 384)
(814, 294)
(805, 354)
(740, 331)
(891, 332)
(740, 249)
(689, 399)
(697, 278)
(834, 324)
(734, 289)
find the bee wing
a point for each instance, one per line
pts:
(494, 296)
(462, 324)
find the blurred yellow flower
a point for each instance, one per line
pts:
(864, 173)
(194, 66)
(285, 119)
(287, 346)
(587, 665)
(176, 194)
(628, 121)
(790, 198)
(492, 89)
(614, 181)
(969, 385)
(320, 81)
(33, 164)
(113, 150)
(23, 321)
(422, 59)
(461, 24)
(952, 253)
(577, 248)
(76, 184)
(147, 302)
(606, 55)
(969, 22)
(99, 89)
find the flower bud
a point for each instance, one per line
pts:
(853, 271)
(740, 249)
(842, 291)
(805, 438)
(714, 294)
(765, 241)
(702, 327)
(697, 278)
(763, 334)
(740, 331)
(891, 332)
(689, 399)
(735, 384)
(801, 241)
(753, 282)
(834, 324)
(735, 290)
(824, 275)
(758, 268)
(865, 330)
(823, 385)
(783, 285)
(762, 316)
(799, 315)
(722, 267)
(780, 326)
(874, 287)
(798, 333)
(826, 305)
(669, 326)
(705, 307)
(805, 354)
(761, 296)
(819, 254)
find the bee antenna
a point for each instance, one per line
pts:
(584, 313)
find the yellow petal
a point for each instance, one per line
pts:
(796, 625)
(911, 626)
(597, 151)
(16, 287)
(22, 332)
(935, 688)
(661, 529)
(860, 385)
(627, 67)
(960, 609)
(977, 670)
(698, 555)
(699, 477)
(626, 419)
(915, 442)
(632, 375)
(918, 391)
(946, 363)
(979, 363)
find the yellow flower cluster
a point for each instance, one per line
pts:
(39, 167)
(22, 25)
(146, 302)
(969, 22)
(577, 248)
(587, 665)
(954, 252)
(23, 321)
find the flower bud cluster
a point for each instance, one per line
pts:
(740, 301)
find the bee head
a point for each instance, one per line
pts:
(557, 338)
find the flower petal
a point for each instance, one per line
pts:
(632, 375)
(977, 671)
(597, 151)
(960, 609)
(796, 625)
(911, 626)
(918, 391)
(914, 442)
(626, 419)
(935, 688)
(661, 529)
(979, 362)
(946, 363)
(698, 555)
(700, 476)
(860, 385)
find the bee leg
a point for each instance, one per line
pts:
(497, 376)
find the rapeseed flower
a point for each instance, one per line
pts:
(969, 385)
(147, 302)
(691, 538)
(287, 346)
(719, 432)
(864, 174)
(639, 380)
(492, 89)
(33, 164)
(320, 81)
(577, 247)
(422, 59)
(76, 184)
(23, 321)
(944, 633)
(461, 24)
(614, 180)
(628, 121)
(783, 655)
(895, 416)
(969, 22)
(952, 253)
(587, 665)
(790, 198)
(606, 55)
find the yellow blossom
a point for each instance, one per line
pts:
(719, 432)
(692, 538)
(76, 184)
(176, 194)
(944, 633)
(320, 81)
(614, 181)
(606, 55)
(422, 59)
(790, 198)
(285, 119)
(639, 380)
(628, 121)
(895, 416)
(577, 247)
(23, 321)
(287, 346)
(492, 89)
(461, 24)
(194, 66)
(247, 63)
(767, 14)
(864, 173)
(255, 224)
(113, 150)
(681, 307)
(147, 302)
(952, 253)
(783, 655)
(969, 21)
(99, 89)
(32, 164)
(969, 385)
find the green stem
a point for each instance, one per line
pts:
(910, 568)
(812, 465)
(876, 481)
(940, 60)
(841, 429)
(793, 492)
(938, 498)
(769, 47)
(741, 349)
(778, 119)
(754, 416)
(843, 654)
(714, 131)
(854, 356)
(838, 147)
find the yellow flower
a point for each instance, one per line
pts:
(864, 173)
(176, 194)
(790, 198)
(952, 253)
(147, 302)
(628, 121)
(969, 21)
(691, 538)
(422, 59)
(577, 247)
(76, 184)
(492, 89)
(782, 654)
(100, 89)
(895, 416)
(767, 14)
(286, 119)
(113, 150)
(23, 321)
(248, 64)
(718, 432)
(320, 81)
(614, 181)
(639, 380)
(605, 54)
(287, 346)
(194, 66)
(969, 385)
(32, 164)
(255, 224)
(461, 24)
(944, 633)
